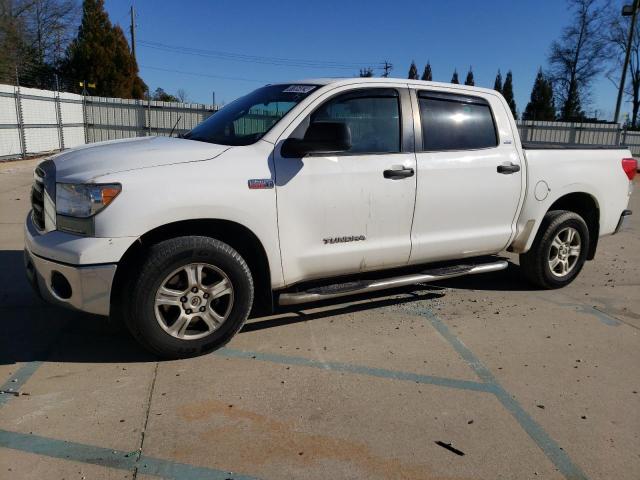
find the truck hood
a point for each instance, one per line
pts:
(87, 163)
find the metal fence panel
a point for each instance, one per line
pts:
(9, 143)
(115, 118)
(36, 121)
(569, 133)
(41, 139)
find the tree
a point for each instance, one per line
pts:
(427, 75)
(507, 93)
(33, 37)
(497, 85)
(616, 35)
(469, 80)
(413, 71)
(13, 47)
(578, 57)
(163, 96)
(182, 95)
(454, 78)
(541, 105)
(366, 72)
(100, 54)
(50, 25)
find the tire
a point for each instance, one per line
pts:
(535, 264)
(181, 266)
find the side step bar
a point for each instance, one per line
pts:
(354, 288)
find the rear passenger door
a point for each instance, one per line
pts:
(469, 177)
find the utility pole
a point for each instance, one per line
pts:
(132, 29)
(632, 27)
(387, 67)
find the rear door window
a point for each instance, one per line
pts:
(456, 122)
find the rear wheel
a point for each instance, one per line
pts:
(192, 295)
(559, 251)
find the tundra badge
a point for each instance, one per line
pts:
(260, 183)
(351, 238)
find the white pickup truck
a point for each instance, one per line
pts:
(308, 191)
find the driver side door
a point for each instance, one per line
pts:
(351, 211)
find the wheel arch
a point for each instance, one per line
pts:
(239, 237)
(587, 207)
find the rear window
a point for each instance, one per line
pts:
(456, 122)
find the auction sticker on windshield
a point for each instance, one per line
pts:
(298, 89)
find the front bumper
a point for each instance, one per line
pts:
(86, 288)
(72, 271)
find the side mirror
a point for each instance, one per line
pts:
(320, 138)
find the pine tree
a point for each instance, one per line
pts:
(507, 93)
(454, 78)
(571, 110)
(413, 71)
(469, 80)
(427, 75)
(100, 54)
(541, 106)
(497, 85)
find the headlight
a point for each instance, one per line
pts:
(84, 200)
(76, 204)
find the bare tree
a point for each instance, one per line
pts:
(13, 43)
(34, 35)
(51, 26)
(578, 57)
(617, 33)
(182, 95)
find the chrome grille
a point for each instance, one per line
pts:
(43, 194)
(37, 198)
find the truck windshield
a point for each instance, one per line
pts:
(246, 120)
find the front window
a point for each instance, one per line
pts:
(249, 118)
(373, 117)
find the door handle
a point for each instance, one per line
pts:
(397, 172)
(508, 168)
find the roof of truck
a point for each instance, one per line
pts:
(350, 80)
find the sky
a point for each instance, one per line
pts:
(334, 38)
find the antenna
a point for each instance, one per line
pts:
(174, 126)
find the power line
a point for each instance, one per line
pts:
(198, 74)
(387, 67)
(222, 55)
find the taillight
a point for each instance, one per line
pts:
(630, 167)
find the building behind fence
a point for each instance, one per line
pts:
(36, 121)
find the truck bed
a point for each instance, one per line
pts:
(564, 146)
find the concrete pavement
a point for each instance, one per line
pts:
(525, 383)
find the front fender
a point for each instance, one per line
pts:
(216, 189)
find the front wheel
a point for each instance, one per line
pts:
(191, 296)
(559, 251)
